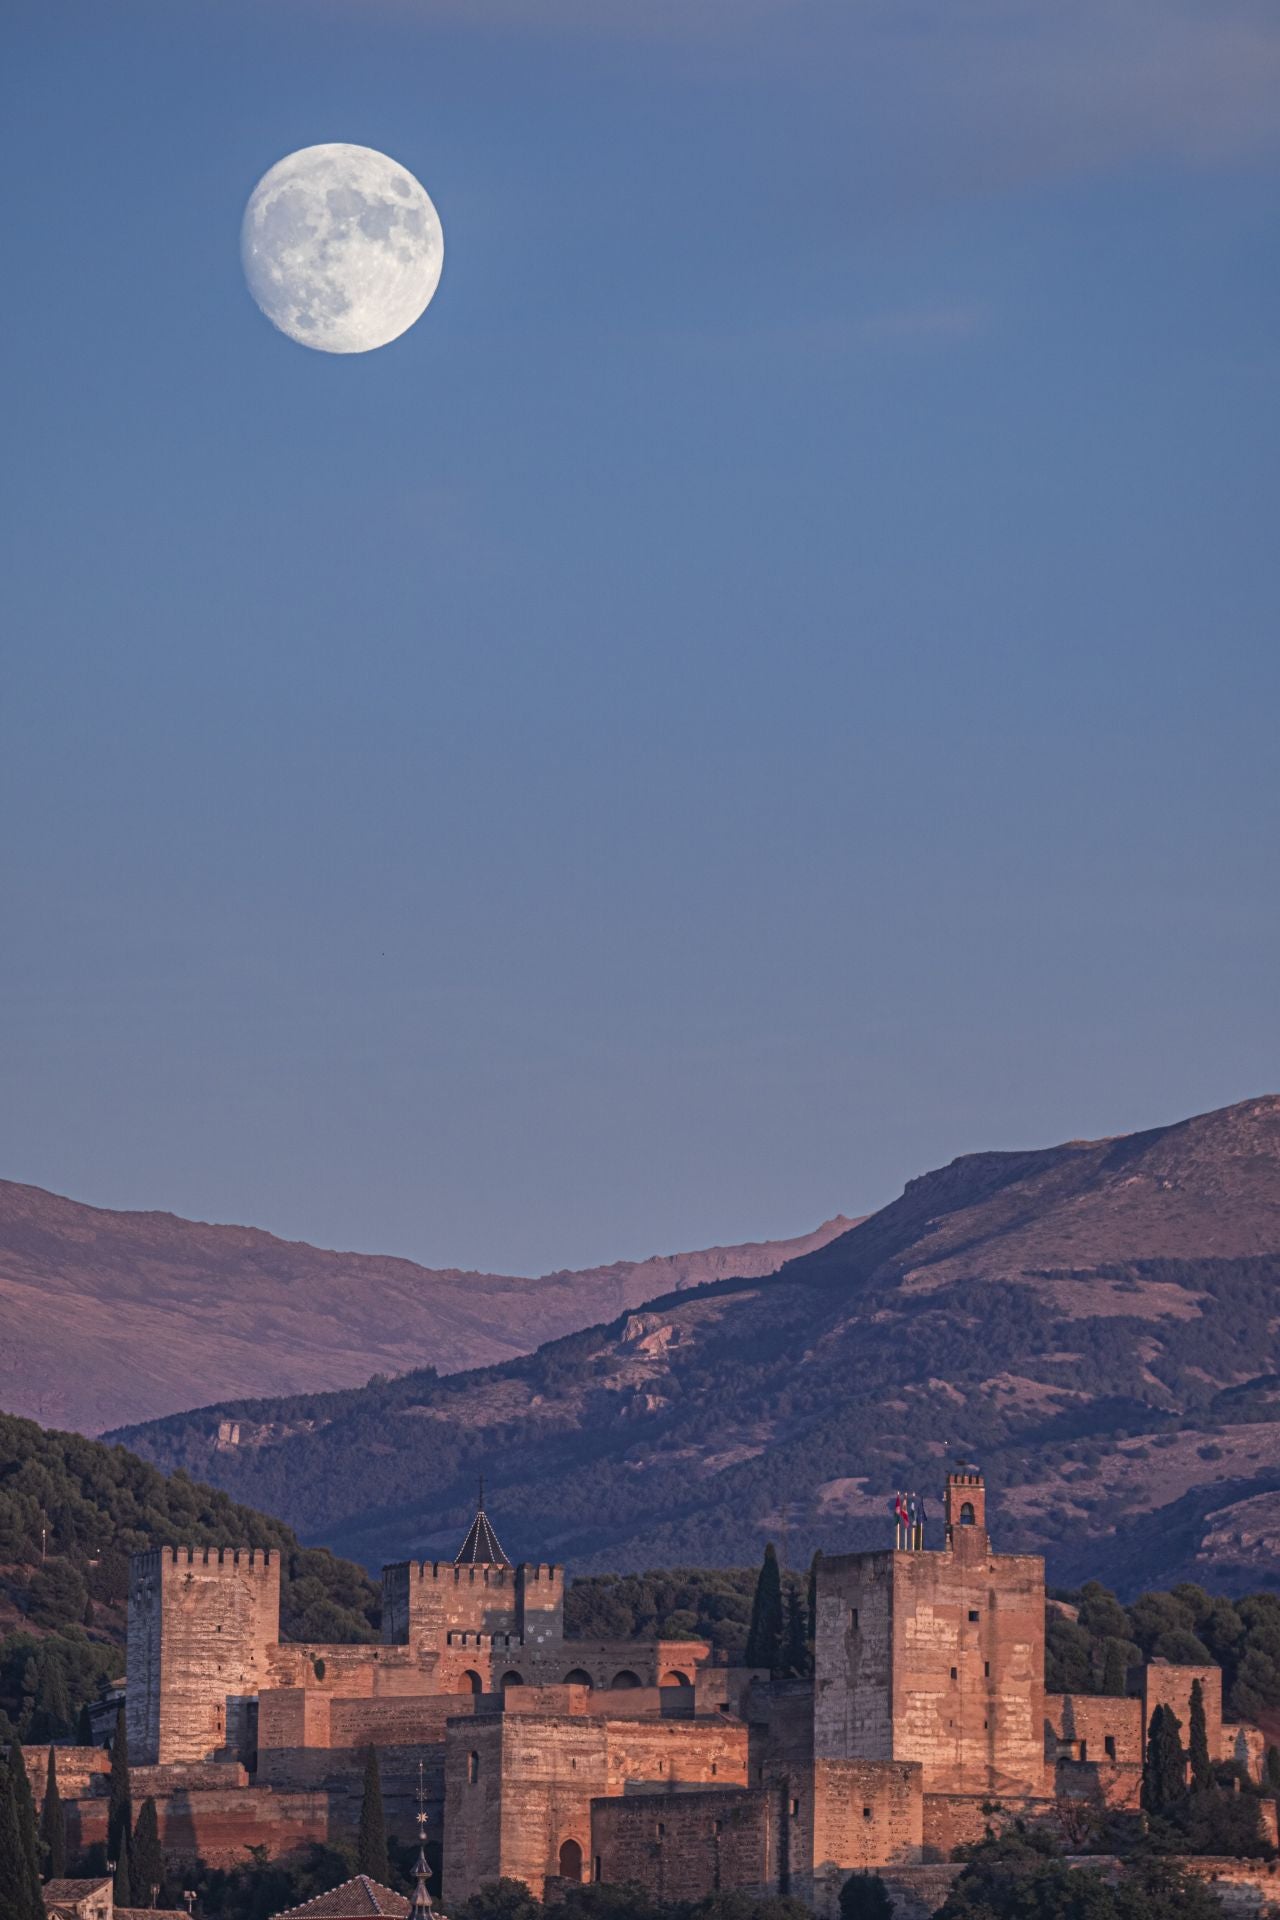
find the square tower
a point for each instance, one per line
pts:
(202, 1625)
(936, 1657)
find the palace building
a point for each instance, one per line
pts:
(554, 1760)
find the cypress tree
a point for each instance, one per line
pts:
(146, 1861)
(53, 1826)
(764, 1635)
(31, 1900)
(1273, 1769)
(815, 1567)
(1164, 1777)
(864, 1896)
(119, 1805)
(13, 1867)
(795, 1650)
(1115, 1669)
(371, 1848)
(84, 1729)
(122, 1889)
(1198, 1738)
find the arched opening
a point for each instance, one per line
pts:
(473, 1768)
(471, 1681)
(967, 1514)
(578, 1678)
(675, 1679)
(625, 1679)
(571, 1861)
(512, 1679)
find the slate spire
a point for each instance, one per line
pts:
(481, 1548)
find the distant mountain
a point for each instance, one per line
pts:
(112, 1317)
(1095, 1322)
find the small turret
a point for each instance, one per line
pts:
(966, 1512)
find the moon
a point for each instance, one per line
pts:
(342, 248)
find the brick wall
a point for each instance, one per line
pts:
(867, 1813)
(684, 1846)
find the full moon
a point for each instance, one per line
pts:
(342, 248)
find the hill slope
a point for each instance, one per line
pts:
(71, 1512)
(1096, 1322)
(113, 1317)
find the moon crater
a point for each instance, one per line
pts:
(342, 248)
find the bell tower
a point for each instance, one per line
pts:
(965, 1511)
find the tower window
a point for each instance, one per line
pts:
(473, 1768)
(795, 1809)
(967, 1515)
(986, 1668)
(955, 1673)
(1110, 1744)
(866, 1813)
(853, 1618)
(974, 1614)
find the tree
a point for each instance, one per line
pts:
(864, 1896)
(1160, 1890)
(84, 1729)
(119, 1804)
(53, 1826)
(795, 1649)
(504, 1899)
(1198, 1740)
(30, 1905)
(371, 1848)
(1164, 1777)
(1273, 1768)
(123, 1885)
(14, 1896)
(815, 1568)
(764, 1635)
(146, 1861)
(1115, 1669)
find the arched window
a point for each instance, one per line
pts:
(473, 1768)
(625, 1679)
(571, 1861)
(578, 1678)
(675, 1679)
(967, 1514)
(511, 1679)
(471, 1681)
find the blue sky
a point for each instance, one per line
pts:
(771, 684)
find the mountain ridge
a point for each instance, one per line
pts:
(1095, 1321)
(113, 1316)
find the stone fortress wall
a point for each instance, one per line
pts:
(554, 1760)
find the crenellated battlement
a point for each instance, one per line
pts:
(450, 1573)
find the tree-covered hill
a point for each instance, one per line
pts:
(71, 1512)
(1094, 1323)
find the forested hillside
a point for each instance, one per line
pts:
(71, 1512)
(1095, 1323)
(113, 1317)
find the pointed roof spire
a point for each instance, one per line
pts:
(421, 1908)
(481, 1548)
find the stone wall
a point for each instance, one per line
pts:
(684, 1846)
(1166, 1685)
(936, 1657)
(203, 1623)
(867, 1813)
(519, 1785)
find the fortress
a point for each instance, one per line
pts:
(556, 1760)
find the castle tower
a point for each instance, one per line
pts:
(936, 1657)
(471, 1617)
(202, 1623)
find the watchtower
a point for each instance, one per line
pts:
(202, 1623)
(936, 1657)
